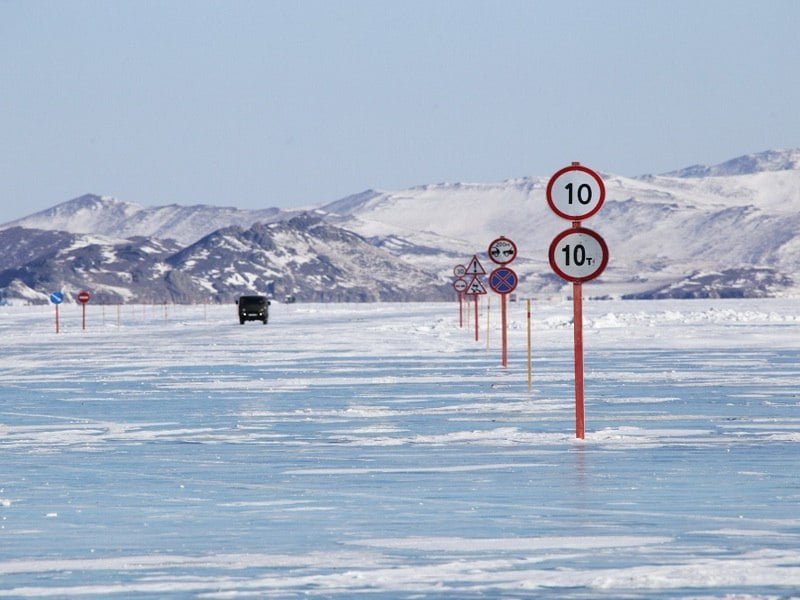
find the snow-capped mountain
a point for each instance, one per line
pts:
(303, 257)
(104, 215)
(771, 160)
(739, 234)
(726, 230)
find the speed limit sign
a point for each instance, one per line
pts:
(578, 254)
(575, 192)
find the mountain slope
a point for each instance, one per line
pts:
(115, 270)
(303, 257)
(770, 160)
(103, 215)
(660, 229)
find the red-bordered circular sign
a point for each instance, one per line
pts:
(460, 285)
(575, 192)
(502, 251)
(503, 280)
(578, 254)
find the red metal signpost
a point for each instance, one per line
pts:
(83, 298)
(475, 287)
(57, 298)
(459, 285)
(503, 281)
(577, 254)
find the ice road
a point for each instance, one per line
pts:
(379, 451)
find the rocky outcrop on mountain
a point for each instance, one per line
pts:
(303, 257)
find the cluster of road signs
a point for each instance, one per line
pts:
(502, 280)
(468, 279)
(58, 297)
(502, 251)
(578, 254)
(468, 283)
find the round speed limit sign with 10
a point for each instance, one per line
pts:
(576, 192)
(578, 254)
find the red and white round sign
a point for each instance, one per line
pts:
(578, 254)
(84, 297)
(502, 251)
(575, 192)
(460, 285)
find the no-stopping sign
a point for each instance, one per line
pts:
(578, 254)
(575, 193)
(503, 280)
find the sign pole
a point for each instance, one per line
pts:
(503, 281)
(57, 298)
(530, 348)
(460, 285)
(577, 316)
(504, 325)
(577, 254)
(577, 320)
(475, 287)
(488, 326)
(83, 298)
(476, 317)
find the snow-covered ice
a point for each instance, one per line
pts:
(379, 451)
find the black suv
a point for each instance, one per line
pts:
(253, 308)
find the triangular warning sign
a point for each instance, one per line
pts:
(475, 267)
(475, 286)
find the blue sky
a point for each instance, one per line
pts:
(258, 104)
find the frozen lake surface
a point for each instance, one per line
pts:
(379, 451)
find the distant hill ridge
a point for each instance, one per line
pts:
(731, 229)
(771, 160)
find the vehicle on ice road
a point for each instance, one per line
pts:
(253, 308)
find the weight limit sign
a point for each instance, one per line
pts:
(578, 255)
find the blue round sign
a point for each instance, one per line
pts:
(503, 280)
(57, 297)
